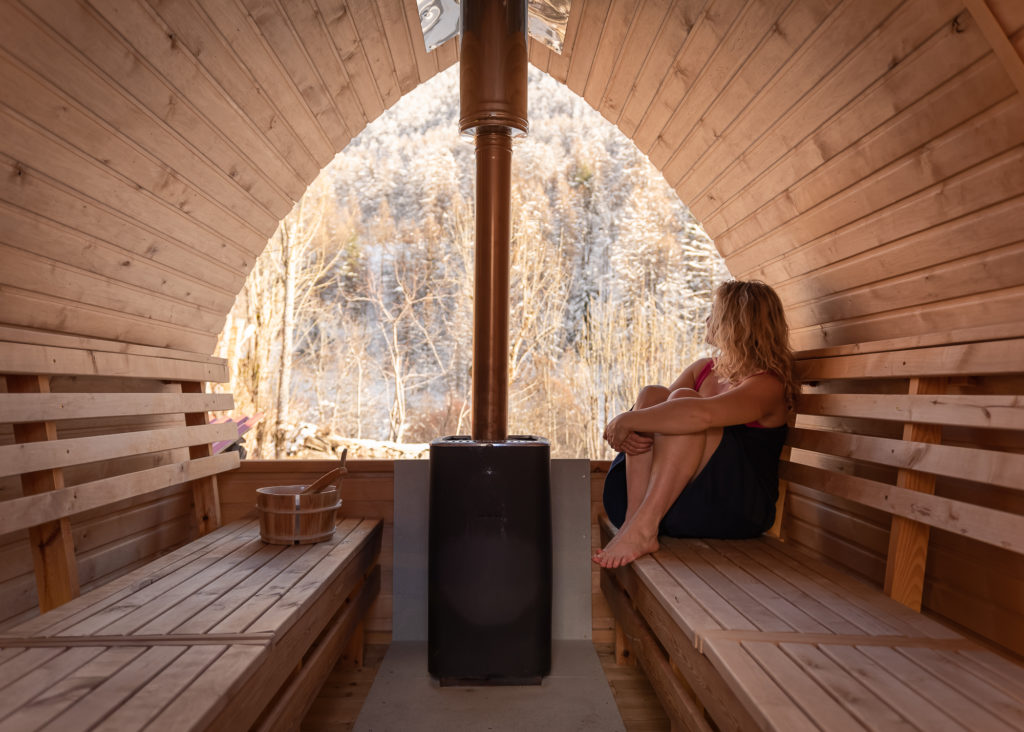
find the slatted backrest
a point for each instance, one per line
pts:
(931, 436)
(89, 424)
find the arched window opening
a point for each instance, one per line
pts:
(354, 328)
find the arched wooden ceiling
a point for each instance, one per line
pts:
(866, 157)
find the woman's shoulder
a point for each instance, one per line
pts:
(705, 363)
(768, 376)
(700, 370)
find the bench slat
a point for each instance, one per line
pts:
(978, 688)
(130, 616)
(174, 608)
(663, 617)
(21, 513)
(798, 684)
(1001, 673)
(1004, 411)
(244, 616)
(117, 662)
(999, 528)
(319, 605)
(739, 600)
(6, 655)
(891, 689)
(17, 408)
(944, 696)
(825, 603)
(69, 641)
(764, 595)
(138, 711)
(718, 609)
(679, 603)
(38, 680)
(199, 704)
(846, 689)
(971, 359)
(984, 466)
(57, 697)
(63, 617)
(13, 334)
(16, 669)
(283, 613)
(770, 706)
(21, 358)
(868, 598)
(100, 701)
(95, 619)
(243, 594)
(30, 457)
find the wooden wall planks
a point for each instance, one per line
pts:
(814, 138)
(867, 159)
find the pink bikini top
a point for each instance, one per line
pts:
(700, 380)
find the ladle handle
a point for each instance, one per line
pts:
(323, 481)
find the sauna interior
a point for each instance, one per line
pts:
(864, 157)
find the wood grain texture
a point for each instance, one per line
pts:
(799, 678)
(908, 540)
(863, 158)
(121, 680)
(946, 441)
(53, 550)
(997, 38)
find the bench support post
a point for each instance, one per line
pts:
(908, 539)
(205, 496)
(53, 549)
(355, 650)
(623, 656)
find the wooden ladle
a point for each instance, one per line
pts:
(327, 478)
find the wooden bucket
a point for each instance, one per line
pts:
(286, 517)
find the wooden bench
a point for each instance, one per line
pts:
(88, 424)
(222, 633)
(760, 634)
(225, 633)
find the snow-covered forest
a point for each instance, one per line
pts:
(355, 327)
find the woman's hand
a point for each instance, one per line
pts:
(622, 439)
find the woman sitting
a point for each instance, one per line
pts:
(700, 458)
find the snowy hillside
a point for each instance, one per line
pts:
(368, 284)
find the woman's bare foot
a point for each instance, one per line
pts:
(628, 545)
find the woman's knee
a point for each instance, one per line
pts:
(683, 393)
(651, 395)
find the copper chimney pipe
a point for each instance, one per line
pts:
(493, 64)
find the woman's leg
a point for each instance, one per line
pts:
(638, 467)
(674, 461)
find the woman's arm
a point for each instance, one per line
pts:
(756, 398)
(635, 443)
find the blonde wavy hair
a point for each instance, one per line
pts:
(748, 330)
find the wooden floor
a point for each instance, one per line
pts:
(341, 698)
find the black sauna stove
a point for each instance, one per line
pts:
(489, 585)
